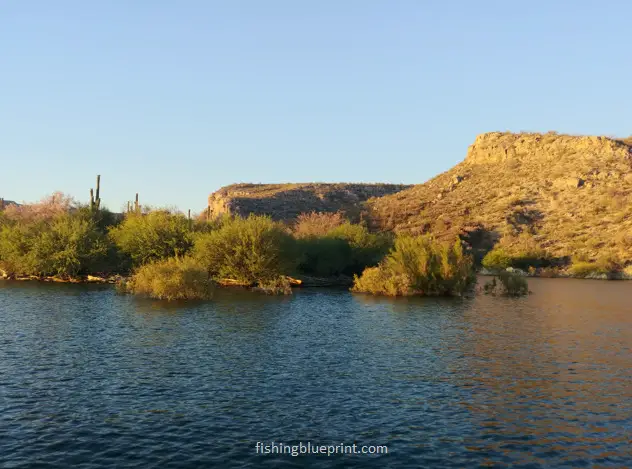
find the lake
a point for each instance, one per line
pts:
(93, 379)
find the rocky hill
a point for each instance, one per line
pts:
(286, 201)
(567, 195)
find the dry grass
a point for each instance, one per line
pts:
(316, 224)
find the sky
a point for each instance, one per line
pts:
(174, 99)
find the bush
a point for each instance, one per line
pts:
(159, 234)
(278, 286)
(500, 258)
(585, 269)
(382, 281)
(171, 279)
(46, 209)
(66, 245)
(346, 249)
(316, 224)
(323, 256)
(510, 285)
(251, 250)
(419, 266)
(367, 249)
(497, 258)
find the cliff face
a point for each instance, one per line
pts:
(497, 147)
(287, 201)
(567, 194)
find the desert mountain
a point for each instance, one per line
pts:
(566, 195)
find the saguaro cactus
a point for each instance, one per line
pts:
(136, 205)
(95, 202)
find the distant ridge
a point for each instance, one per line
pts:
(287, 201)
(4, 203)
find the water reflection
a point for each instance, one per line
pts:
(549, 374)
(92, 378)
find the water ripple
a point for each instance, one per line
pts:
(91, 379)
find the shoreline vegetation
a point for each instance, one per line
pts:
(164, 254)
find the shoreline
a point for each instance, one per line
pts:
(299, 281)
(305, 281)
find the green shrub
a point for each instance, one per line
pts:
(497, 258)
(584, 269)
(159, 234)
(367, 249)
(66, 245)
(346, 249)
(382, 281)
(17, 248)
(171, 279)
(514, 285)
(509, 284)
(251, 250)
(500, 258)
(419, 266)
(323, 256)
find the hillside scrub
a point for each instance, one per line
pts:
(158, 234)
(571, 193)
(419, 265)
(181, 278)
(247, 250)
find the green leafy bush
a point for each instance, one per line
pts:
(500, 258)
(419, 265)
(497, 258)
(605, 265)
(323, 256)
(66, 245)
(159, 234)
(249, 250)
(382, 281)
(345, 249)
(367, 249)
(171, 279)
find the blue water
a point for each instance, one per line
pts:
(92, 379)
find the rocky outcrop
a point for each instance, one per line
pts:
(495, 147)
(287, 201)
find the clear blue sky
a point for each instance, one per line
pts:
(174, 99)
